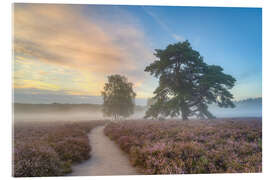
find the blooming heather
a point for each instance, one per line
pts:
(45, 149)
(187, 147)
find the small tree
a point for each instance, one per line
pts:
(118, 97)
(187, 84)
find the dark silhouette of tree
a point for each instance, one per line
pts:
(150, 102)
(118, 97)
(187, 84)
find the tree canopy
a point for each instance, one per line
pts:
(118, 97)
(187, 84)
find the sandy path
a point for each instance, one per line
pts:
(107, 158)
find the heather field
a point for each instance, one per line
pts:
(110, 90)
(49, 149)
(191, 147)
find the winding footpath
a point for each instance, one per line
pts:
(106, 158)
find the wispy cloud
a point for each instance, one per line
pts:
(25, 84)
(65, 38)
(163, 25)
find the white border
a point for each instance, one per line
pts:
(227, 3)
(5, 46)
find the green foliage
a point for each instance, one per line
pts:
(150, 102)
(118, 97)
(187, 84)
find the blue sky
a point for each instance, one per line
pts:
(76, 46)
(229, 37)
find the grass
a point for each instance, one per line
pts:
(46, 149)
(191, 147)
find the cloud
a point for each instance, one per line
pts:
(34, 83)
(163, 24)
(79, 39)
(61, 35)
(177, 37)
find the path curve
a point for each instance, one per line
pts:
(106, 158)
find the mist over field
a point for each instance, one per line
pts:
(81, 112)
(64, 112)
(243, 108)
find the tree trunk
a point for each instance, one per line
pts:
(184, 109)
(184, 116)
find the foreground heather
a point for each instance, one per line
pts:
(176, 147)
(49, 149)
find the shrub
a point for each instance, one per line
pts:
(36, 159)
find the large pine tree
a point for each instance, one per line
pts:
(187, 84)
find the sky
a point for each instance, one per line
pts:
(64, 53)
